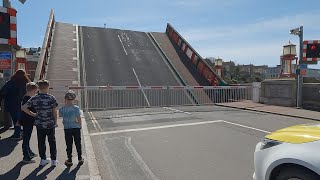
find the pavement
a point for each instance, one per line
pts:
(11, 156)
(279, 110)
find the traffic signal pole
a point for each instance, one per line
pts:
(299, 76)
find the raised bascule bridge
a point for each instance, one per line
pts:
(113, 68)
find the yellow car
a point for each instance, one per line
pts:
(291, 153)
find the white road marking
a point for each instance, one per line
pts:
(154, 128)
(112, 170)
(144, 94)
(94, 124)
(244, 126)
(123, 45)
(94, 120)
(139, 159)
(91, 157)
(176, 110)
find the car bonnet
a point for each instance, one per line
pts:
(297, 134)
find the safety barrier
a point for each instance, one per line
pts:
(45, 51)
(202, 66)
(118, 97)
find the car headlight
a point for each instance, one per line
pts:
(268, 143)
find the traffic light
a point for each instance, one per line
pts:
(313, 51)
(4, 25)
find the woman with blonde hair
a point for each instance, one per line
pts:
(12, 93)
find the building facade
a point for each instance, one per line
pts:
(272, 72)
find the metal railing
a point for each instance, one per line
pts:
(119, 97)
(42, 68)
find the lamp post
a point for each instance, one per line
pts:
(299, 32)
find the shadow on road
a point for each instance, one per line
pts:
(14, 173)
(43, 175)
(67, 174)
(7, 146)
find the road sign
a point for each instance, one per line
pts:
(303, 66)
(311, 52)
(5, 60)
(5, 55)
(5, 64)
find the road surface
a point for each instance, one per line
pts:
(203, 142)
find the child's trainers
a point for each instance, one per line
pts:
(28, 160)
(54, 163)
(81, 161)
(44, 162)
(68, 162)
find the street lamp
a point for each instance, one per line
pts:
(299, 32)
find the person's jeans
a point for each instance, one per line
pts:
(42, 134)
(15, 115)
(27, 131)
(70, 135)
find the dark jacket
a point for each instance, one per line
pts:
(12, 93)
(26, 119)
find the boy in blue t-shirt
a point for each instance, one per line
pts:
(72, 126)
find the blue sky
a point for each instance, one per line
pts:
(245, 31)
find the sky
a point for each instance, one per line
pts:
(244, 31)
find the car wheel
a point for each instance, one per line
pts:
(297, 173)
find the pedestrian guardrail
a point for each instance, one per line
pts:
(119, 97)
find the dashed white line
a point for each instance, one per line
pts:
(123, 46)
(144, 94)
(154, 128)
(176, 110)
